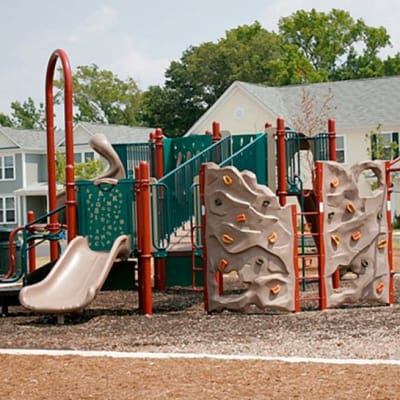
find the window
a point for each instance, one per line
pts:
(384, 146)
(7, 168)
(340, 149)
(85, 156)
(7, 210)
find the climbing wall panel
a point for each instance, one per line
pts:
(250, 234)
(355, 233)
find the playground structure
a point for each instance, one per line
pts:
(236, 224)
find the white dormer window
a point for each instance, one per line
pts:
(7, 168)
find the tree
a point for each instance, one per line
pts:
(334, 42)
(248, 53)
(85, 170)
(25, 115)
(102, 97)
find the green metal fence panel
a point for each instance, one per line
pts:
(240, 141)
(301, 153)
(133, 153)
(179, 150)
(106, 212)
(251, 156)
(172, 202)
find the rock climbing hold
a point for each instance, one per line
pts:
(331, 215)
(382, 243)
(223, 264)
(380, 287)
(356, 236)
(334, 183)
(335, 239)
(228, 239)
(379, 215)
(260, 261)
(272, 237)
(266, 203)
(276, 289)
(241, 218)
(350, 207)
(227, 180)
(364, 263)
(218, 202)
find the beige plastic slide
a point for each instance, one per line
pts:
(75, 279)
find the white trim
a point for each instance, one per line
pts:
(161, 356)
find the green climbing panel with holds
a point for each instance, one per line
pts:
(106, 212)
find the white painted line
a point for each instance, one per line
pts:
(234, 357)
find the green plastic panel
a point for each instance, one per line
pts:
(106, 212)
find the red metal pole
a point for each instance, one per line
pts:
(160, 262)
(390, 232)
(139, 235)
(216, 132)
(297, 306)
(332, 139)
(320, 241)
(32, 249)
(54, 225)
(146, 239)
(281, 160)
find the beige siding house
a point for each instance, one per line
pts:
(358, 107)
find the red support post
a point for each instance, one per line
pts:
(159, 262)
(281, 160)
(54, 225)
(139, 234)
(320, 241)
(216, 132)
(146, 239)
(390, 232)
(332, 139)
(32, 249)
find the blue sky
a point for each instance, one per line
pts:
(139, 38)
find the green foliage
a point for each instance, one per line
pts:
(101, 97)
(25, 115)
(334, 42)
(378, 148)
(85, 170)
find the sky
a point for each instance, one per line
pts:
(140, 38)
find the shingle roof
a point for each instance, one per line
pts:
(119, 133)
(29, 139)
(362, 102)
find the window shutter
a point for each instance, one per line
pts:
(395, 139)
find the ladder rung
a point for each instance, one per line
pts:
(308, 278)
(309, 298)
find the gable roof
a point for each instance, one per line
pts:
(360, 102)
(35, 139)
(117, 134)
(28, 139)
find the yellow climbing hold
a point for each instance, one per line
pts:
(382, 244)
(335, 239)
(272, 237)
(227, 180)
(241, 218)
(380, 287)
(334, 183)
(356, 236)
(223, 264)
(350, 207)
(228, 239)
(276, 289)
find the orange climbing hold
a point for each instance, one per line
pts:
(382, 244)
(241, 218)
(223, 264)
(350, 207)
(380, 287)
(356, 236)
(334, 183)
(228, 239)
(227, 180)
(272, 237)
(335, 239)
(276, 289)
